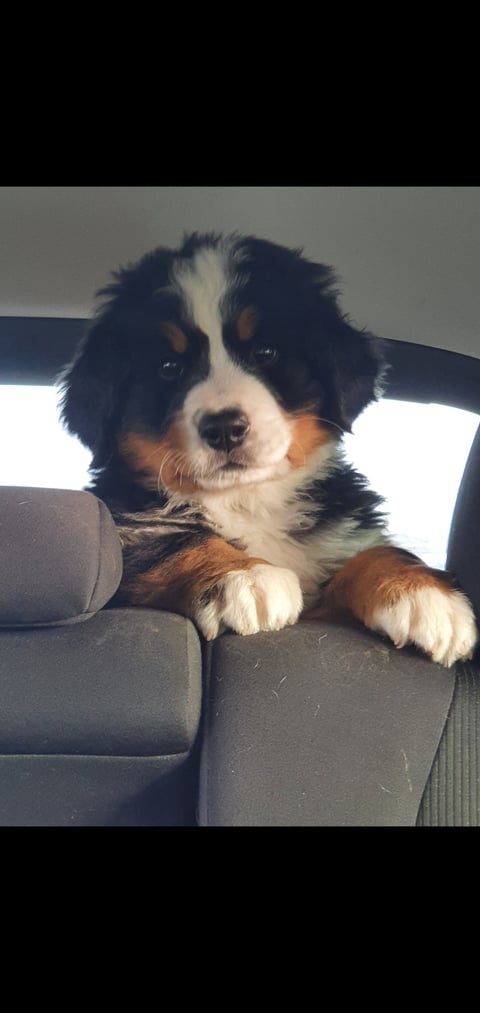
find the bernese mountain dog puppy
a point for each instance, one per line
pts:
(213, 389)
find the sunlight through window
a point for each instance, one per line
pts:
(414, 455)
(35, 450)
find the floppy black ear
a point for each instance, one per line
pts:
(92, 386)
(347, 364)
(356, 368)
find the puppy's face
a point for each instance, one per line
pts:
(225, 363)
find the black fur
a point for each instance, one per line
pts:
(323, 360)
(323, 365)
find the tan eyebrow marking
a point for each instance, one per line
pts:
(246, 323)
(175, 336)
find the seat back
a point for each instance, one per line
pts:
(99, 707)
(463, 556)
(452, 794)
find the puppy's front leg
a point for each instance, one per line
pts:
(217, 586)
(394, 593)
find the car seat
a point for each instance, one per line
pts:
(122, 717)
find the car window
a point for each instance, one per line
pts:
(35, 450)
(413, 454)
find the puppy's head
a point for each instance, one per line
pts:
(223, 363)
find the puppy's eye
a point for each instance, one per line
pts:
(170, 369)
(265, 355)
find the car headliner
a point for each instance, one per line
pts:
(407, 257)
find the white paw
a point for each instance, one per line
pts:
(247, 601)
(441, 623)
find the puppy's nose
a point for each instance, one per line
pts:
(225, 430)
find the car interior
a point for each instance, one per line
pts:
(127, 716)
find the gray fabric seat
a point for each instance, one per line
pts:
(61, 559)
(98, 718)
(322, 725)
(452, 794)
(317, 725)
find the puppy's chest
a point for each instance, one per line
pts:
(281, 533)
(264, 535)
(290, 532)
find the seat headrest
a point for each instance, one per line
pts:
(60, 556)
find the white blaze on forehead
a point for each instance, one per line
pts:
(203, 283)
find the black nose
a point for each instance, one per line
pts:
(225, 430)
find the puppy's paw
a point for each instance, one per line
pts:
(263, 597)
(439, 621)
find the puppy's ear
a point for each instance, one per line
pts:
(349, 365)
(92, 386)
(355, 372)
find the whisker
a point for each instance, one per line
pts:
(330, 423)
(154, 451)
(179, 460)
(184, 468)
(165, 460)
(319, 418)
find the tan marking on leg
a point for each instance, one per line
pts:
(181, 582)
(377, 578)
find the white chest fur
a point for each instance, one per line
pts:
(271, 522)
